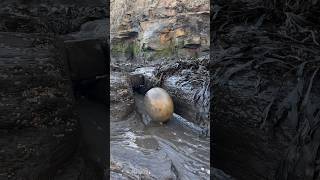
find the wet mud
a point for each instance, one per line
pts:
(142, 148)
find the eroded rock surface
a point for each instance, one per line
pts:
(153, 29)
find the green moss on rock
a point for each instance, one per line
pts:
(131, 48)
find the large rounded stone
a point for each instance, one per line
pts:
(159, 104)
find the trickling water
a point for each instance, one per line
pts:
(154, 151)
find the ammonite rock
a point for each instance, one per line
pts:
(159, 104)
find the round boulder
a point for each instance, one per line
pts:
(159, 104)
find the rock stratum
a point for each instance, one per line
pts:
(149, 30)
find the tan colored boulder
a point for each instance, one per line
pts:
(159, 104)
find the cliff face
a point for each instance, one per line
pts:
(152, 32)
(142, 29)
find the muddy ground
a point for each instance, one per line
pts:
(179, 149)
(140, 148)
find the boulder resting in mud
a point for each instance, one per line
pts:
(159, 104)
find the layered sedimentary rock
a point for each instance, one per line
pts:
(152, 34)
(149, 30)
